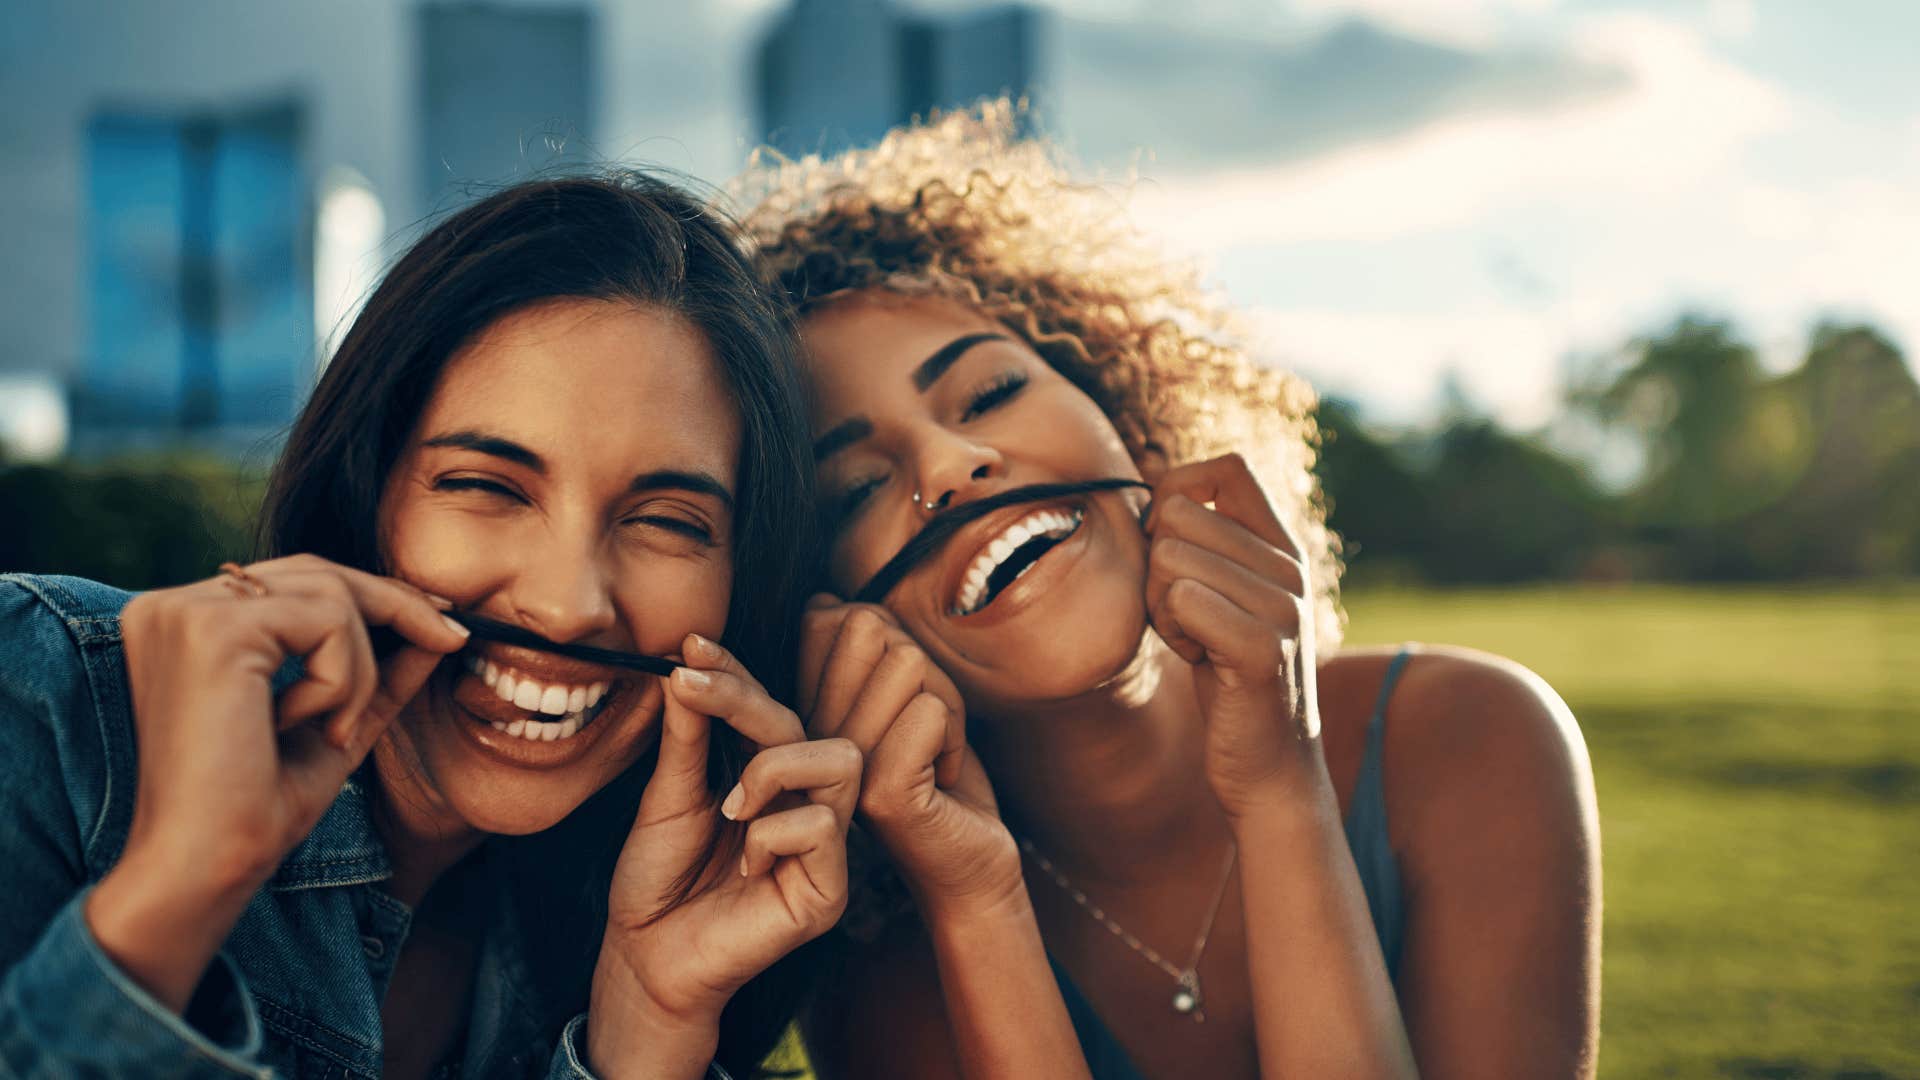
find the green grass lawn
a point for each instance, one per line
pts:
(1757, 754)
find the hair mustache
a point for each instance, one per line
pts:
(936, 532)
(486, 629)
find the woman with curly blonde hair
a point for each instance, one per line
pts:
(1078, 533)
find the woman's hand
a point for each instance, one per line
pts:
(662, 980)
(229, 779)
(862, 678)
(1227, 590)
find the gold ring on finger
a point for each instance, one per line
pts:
(240, 581)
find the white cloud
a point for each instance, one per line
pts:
(1731, 19)
(1684, 116)
(1628, 209)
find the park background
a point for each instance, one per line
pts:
(1611, 304)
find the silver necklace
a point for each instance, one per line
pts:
(1186, 980)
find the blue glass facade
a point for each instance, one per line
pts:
(198, 305)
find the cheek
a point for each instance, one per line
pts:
(451, 555)
(664, 600)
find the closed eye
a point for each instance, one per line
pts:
(1001, 390)
(850, 502)
(475, 483)
(682, 526)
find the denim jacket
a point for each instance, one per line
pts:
(296, 990)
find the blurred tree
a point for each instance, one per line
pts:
(1374, 498)
(1470, 504)
(137, 523)
(1721, 443)
(1854, 506)
(1505, 508)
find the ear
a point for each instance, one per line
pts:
(1152, 463)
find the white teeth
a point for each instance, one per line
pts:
(527, 695)
(973, 586)
(570, 705)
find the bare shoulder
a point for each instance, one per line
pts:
(885, 1016)
(1478, 746)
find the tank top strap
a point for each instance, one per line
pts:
(1366, 825)
(1377, 723)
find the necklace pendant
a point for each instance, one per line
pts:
(1186, 999)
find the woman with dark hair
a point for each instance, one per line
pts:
(1077, 525)
(413, 797)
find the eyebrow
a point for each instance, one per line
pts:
(480, 442)
(699, 483)
(844, 434)
(928, 372)
(934, 366)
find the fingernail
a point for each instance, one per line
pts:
(693, 678)
(743, 866)
(707, 649)
(440, 602)
(454, 626)
(730, 808)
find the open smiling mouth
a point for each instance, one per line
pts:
(1009, 554)
(553, 710)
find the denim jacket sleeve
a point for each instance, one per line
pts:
(66, 791)
(568, 1063)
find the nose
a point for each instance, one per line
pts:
(564, 593)
(952, 466)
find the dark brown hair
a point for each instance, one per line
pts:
(621, 236)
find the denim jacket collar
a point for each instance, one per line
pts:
(343, 849)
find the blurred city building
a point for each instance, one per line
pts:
(839, 73)
(201, 194)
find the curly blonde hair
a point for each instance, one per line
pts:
(962, 207)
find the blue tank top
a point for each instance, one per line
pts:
(1366, 828)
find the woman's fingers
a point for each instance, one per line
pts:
(738, 700)
(812, 841)
(1187, 520)
(1170, 558)
(860, 641)
(679, 782)
(897, 767)
(339, 674)
(1241, 646)
(819, 626)
(381, 601)
(827, 770)
(904, 673)
(1228, 484)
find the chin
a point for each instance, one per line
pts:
(1078, 649)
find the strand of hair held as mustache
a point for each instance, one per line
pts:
(508, 634)
(936, 532)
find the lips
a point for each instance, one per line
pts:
(1009, 554)
(534, 696)
(1003, 548)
